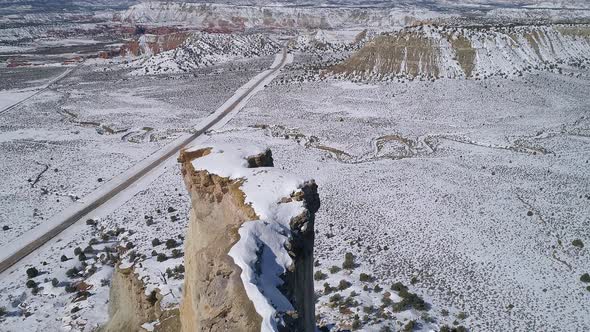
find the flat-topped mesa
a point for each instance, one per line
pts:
(249, 247)
(429, 51)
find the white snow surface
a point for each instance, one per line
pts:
(260, 252)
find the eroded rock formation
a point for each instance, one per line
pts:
(130, 307)
(221, 296)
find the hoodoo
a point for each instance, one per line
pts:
(249, 246)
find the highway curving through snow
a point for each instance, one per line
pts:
(124, 186)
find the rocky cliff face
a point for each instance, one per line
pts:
(130, 308)
(225, 17)
(237, 278)
(230, 18)
(434, 52)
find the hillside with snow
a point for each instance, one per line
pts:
(203, 50)
(346, 14)
(450, 52)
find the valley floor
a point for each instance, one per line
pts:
(473, 191)
(468, 192)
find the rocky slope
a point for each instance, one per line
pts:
(433, 52)
(223, 17)
(130, 309)
(203, 49)
(346, 14)
(249, 247)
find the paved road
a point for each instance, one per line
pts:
(57, 79)
(92, 205)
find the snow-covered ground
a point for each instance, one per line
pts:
(68, 140)
(470, 193)
(116, 223)
(473, 194)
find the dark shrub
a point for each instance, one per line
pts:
(410, 326)
(319, 275)
(356, 324)
(578, 243)
(335, 298)
(348, 261)
(386, 300)
(64, 258)
(171, 243)
(366, 277)
(71, 273)
(54, 282)
(77, 251)
(176, 253)
(343, 284)
(161, 257)
(585, 278)
(156, 242)
(32, 272)
(415, 301)
(153, 298)
(31, 283)
(334, 269)
(399, 287)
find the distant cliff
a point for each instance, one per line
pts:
(249, 246)
(476, 52)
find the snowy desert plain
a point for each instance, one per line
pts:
(450, 143)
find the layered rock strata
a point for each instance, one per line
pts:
(249, 246)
